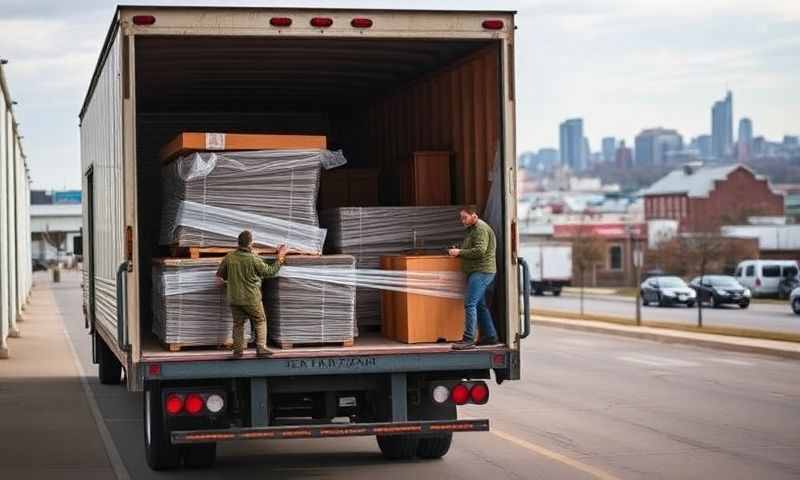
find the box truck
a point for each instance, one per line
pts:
(550, 266)
(380, 85)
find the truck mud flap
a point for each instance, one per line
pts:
(330, 430)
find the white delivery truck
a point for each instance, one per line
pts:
(550, 266)
(380, 85)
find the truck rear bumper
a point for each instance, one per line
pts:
(330, 430)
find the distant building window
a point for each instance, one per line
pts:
(615, 257)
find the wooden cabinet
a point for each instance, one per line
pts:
(427, 179)
(415, 318)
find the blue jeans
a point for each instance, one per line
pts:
(476, 313)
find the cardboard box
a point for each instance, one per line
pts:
(189, 142)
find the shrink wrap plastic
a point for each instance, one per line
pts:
(209, 198)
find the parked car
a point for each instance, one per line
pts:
(665, 291)
(794, 300)
(720, 290)
(38, 265)
(763, 276)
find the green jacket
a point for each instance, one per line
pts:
(479, 249)
(243, 270)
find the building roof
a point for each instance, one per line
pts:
(60, 210)
(694, 182)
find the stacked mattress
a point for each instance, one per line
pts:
(367, 233)
(308, 311)
(210, 197)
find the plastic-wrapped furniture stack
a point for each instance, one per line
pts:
(367, 233)
(210, 197)
(307, 311)
(189, 307)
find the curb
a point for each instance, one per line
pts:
(734, 344)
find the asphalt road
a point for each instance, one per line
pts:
(589, 406)
(765, 316)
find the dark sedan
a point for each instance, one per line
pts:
(720, 290)
(665, 291)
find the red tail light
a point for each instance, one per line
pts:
(174, 404)
(479, 393)
(194, 404)
(321, 22)
(280, 21)
(144, 20)
(493, 24)
(459, 394)
(361, 23)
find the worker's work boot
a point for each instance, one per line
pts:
(237, 355)
(263, 352)
(464, 345)
(487, 341)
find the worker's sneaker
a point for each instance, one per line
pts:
(263, 352)
(464, 345)
(237, 354)
(487, 341)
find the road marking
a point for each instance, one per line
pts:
(539, 450)
(730, 361)
(113, 454)
(655, 361)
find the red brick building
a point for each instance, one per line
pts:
(701, 198)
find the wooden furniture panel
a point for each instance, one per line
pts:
(188, 142)
(429, 182)
(415, 318)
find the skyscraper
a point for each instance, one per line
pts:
(652, 145)
(703, 145)
(623, 156)
(609, 148)
(571, 144)
(744, 143)
(722, 127)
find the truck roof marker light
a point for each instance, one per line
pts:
(194, 404)
(144, 20)
(280, 21)
(154, 369)
(479, 393)
(321, 22)
(493, 24)
(174, 404)
(360, 22)
(459, 394)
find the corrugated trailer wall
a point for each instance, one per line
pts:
(15, 237)
(455, 109)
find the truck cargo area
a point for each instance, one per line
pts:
(379, 100)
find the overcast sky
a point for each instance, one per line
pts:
(622, 65)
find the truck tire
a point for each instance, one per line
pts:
(398, 447)
(434, 447)
(160, 452)
(202, 455)
(109, 370)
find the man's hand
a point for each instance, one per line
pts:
(282, 251)
(218, 281)
(454, 252)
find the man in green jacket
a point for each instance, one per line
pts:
(243, 271)
(479, 263)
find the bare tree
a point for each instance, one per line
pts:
(587, 251)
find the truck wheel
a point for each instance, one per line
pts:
(434, 447)
(200, 456)
(398, 447)
(160, 452)
(109, 370)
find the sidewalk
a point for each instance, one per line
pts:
(49, 430)
(723, 342)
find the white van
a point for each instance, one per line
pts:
(762, 276)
